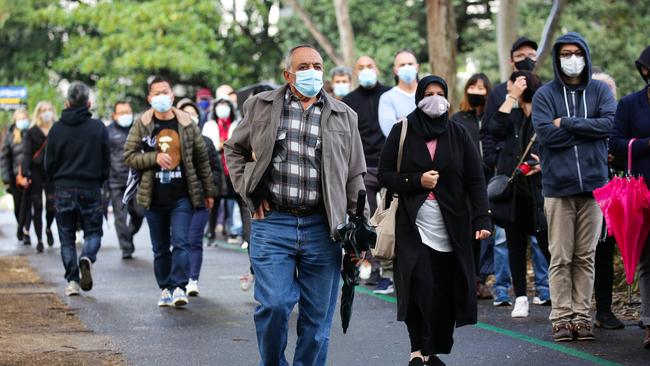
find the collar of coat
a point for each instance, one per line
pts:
(183, 118)
(279, 94)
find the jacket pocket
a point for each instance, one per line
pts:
(248, 175)
(281, 148)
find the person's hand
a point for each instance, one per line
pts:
(482, 234)
(259, 212)
(557, 122)
(610, 158)
(535, 169)
(429, 179)
(164, 160)
(209, 203)
(517, 87)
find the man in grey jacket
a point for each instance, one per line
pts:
(297, 160)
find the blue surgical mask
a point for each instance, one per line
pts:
(125, 120)
(161, 103)
(204, 104)
(407, 73)
(341, 89)
(309, 82)
(367, 78)
(22, 124)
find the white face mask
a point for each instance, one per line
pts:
(222, 110)
(434, 105)
(572, 66)
(47, 116)
(22, 124)
(125, 120)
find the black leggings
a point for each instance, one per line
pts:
(604, 280)
(33, 206)
(517, 238)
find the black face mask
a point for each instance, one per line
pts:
(526, 64)
(475, 100)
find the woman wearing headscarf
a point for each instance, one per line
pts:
(34, 170)
(10, 160)
(442, 208)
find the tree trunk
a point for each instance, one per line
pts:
(346, 33)
(552, 23)
(320, 38)
(507, 26)
(441, 40)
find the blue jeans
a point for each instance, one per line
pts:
(501, 265)
(540, 267)
(74, 206)
(195, 239)
(294, 261)
(235, 227)
(169, 228)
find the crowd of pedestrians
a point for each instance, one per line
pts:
(279, 172)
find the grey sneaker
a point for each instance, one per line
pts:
(84, 270)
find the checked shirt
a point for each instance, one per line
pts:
(295, 179)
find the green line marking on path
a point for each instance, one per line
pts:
(512, 334)
(491, 328)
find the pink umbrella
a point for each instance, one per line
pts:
(625, 202)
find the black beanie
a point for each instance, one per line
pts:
(644, 60)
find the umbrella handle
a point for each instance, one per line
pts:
(629, 156)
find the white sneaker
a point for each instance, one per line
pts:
(521, 307)
(179, 298)
(165, 298)
(244, 244)
(246, 281)
(365, 270)
(72, 289)
(192, 288)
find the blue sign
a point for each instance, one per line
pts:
(12, 97)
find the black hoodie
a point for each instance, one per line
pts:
(77, 153)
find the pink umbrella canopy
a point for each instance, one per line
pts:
(625, 202)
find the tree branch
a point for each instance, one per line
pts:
(550, 28)
(325, 44)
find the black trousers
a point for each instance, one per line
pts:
(517, 240)
(33, 205)
(431, 312)
(128, 219)
(604, 279)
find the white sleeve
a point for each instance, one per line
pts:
(386, 114)
(211, 131)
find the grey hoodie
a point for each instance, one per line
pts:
(574, 155)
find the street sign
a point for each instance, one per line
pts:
(13, 97)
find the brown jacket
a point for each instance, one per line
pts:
(250, 149)
(193, 154)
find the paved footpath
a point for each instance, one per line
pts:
(217, 328)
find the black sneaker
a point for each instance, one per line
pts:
(39, 247)
(374, 278)
(127, 256)
(19, 234)
(607, 320)
(86, 282)
(50, 237)
(435, 361)
(417, 361)
(27, 240)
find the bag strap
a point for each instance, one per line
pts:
(402, 137)
(523, 156)
(39, 150)
(629, 156)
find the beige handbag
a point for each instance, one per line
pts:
(384, 219)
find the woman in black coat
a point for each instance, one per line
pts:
(11, 159)
(512, 129)
(443, 198)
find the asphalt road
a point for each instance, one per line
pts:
(217, 328)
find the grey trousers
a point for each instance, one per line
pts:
(574, 225)
(643, 273)
(133, 211)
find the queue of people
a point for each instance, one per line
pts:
(290, 164)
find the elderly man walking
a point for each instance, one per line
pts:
(77, 160)
(298, 162)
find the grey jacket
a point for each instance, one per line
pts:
(250, 148)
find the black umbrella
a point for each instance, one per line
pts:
(357, 236)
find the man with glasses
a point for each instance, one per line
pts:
(573, 116)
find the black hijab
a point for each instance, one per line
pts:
(425, 126)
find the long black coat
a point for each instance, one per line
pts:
(462, 196)
(513, 132)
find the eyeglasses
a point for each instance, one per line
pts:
(568, 54)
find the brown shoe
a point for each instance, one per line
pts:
(582, 331)
(562, 332)
(483, 292)
(646, 341)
